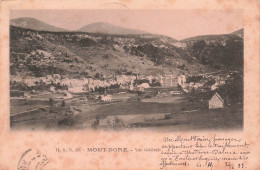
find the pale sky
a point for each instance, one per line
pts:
(178, 24)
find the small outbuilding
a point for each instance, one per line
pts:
(106, 98)
(67, 95)
(144, 85)
(52, 89)
(216, 101)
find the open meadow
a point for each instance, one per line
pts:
(126, 111)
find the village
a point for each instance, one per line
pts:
(79, 80)
(65, 101)
(55, 84)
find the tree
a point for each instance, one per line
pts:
(118, 123)
(97, 75)
(63, 103)
(210, 82)
(95, 124)
(51, 102)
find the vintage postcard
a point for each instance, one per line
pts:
(130, 85)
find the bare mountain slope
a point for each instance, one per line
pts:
(106, 28)
(74, 54)
(32, 23)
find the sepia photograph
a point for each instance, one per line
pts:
(128, 84)
(118, 69)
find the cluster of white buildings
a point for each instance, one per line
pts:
(172, 80)
(106, 98)
(77, 85)
(124, 81)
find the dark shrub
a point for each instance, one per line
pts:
(105, 56)
(51, 102)
(63, 103)
(167, 116)
(67, 121)
(95, 124)
(118, 123)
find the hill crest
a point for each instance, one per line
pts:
(35, 24)
(107, 28)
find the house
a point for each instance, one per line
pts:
(67, 95)
(56, 76)
(76, 89)
(197, 85)
(131, 87)
(150, 78)
(106, 98)
(124, 87)
(27, 95)
(185, 90)
(175, 92)
(140, 89)
(144, 85)
(181, 79)
(216, 101)
(169, 81)
(213, 87)
(52, 89)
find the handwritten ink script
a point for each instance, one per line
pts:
(203, 152)
(185, 152)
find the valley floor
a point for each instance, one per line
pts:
(128, 111)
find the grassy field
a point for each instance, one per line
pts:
(216, 119)
(172, 113)
(168, 99)
(23, 105)
(37, 100)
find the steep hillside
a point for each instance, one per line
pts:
(106, 28)
(217, 51)
(75, 54)
(32, 23)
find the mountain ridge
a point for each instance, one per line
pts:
(40, 52)
(107, 28)
(74, 54)
(35, 24)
